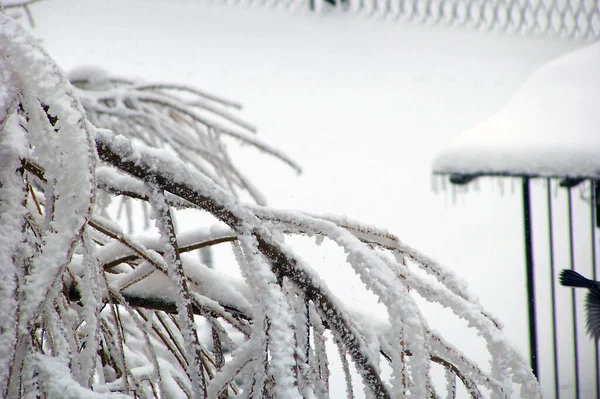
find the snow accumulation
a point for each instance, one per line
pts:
(550, 128)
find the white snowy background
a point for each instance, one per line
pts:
(363, 104)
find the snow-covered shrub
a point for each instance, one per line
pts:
(88, 310)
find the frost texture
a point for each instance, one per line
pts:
(90, 309)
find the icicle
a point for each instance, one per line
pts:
(454, 194)
(434, 181)
(500, 185)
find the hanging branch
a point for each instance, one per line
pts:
(185, 310)
(188, 121)
(120, 154)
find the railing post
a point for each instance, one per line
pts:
(572, 262)
(594, 224)
(533, 345)
(553, 288)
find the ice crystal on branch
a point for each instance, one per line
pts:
(89, 310)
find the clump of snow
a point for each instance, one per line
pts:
(550, 127)
(90, 77)
(58, 382)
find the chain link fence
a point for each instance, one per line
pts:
(576, 19)
(565, 18)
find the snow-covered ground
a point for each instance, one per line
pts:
(363, 104)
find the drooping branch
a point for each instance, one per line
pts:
(182, 249)
(173, 177)
(188, 121)
(121, 158)
(469, 384)
(185, 303)
(281, 267)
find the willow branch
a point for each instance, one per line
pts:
(140, 165)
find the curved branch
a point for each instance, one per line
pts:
(469, 385)
(183, 249)
(141, 164)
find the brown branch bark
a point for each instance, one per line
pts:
(470, 385)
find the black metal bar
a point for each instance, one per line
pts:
(593, 216)
(553, 288)
(572, 260)
(533, 346)
(596, 204)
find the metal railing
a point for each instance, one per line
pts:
(561, 220)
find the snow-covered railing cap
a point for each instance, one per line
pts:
(550, 128)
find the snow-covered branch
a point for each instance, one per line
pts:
(88, 307)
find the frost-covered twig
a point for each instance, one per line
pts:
(186, 183)
(185, 311)
(188, 121)
(54, 120)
